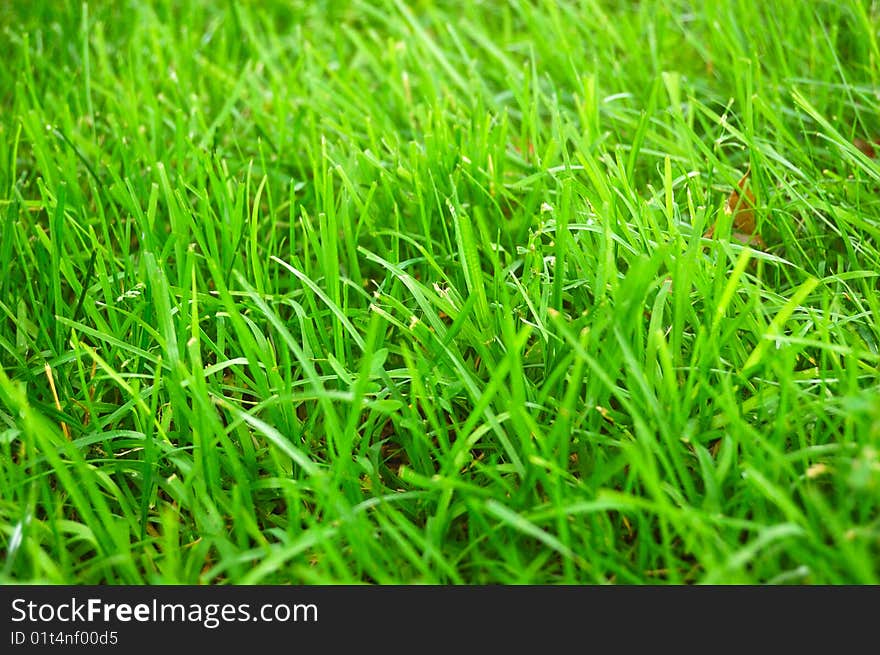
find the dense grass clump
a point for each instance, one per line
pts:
(386, 291)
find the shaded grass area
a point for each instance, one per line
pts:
(419, 292)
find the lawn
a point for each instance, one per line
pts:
(439, 292)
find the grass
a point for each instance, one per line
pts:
(419, 292)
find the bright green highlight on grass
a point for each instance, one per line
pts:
(418, 292)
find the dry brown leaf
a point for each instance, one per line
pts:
(866, 147)
(741, 205)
